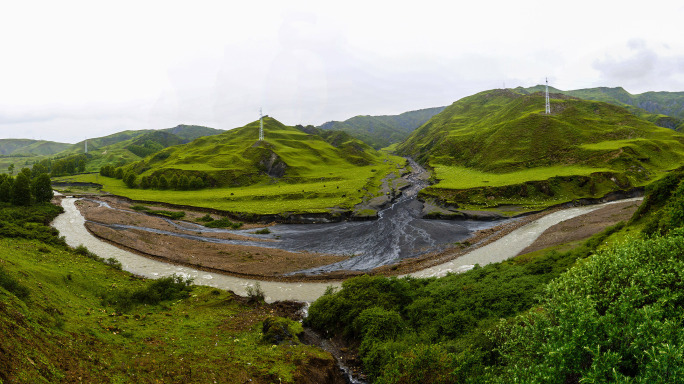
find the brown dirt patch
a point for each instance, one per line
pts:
(583, 227)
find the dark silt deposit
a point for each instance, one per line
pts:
(398, 233)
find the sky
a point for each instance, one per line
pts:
(70, 70)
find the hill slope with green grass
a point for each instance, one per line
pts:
(382, 131)
(30, 147)
(69, 316)
(665, 109)
(501, 147)
(290, 171)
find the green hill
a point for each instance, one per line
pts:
(70, 316)
(382, 131)
(665, 109)
(129, 146)
(192, 132)
(30, 147)
(501, 146)
(291, 170)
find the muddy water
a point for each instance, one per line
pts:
(71, 225)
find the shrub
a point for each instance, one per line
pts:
(616, 317)
(264, 231)
(255, 294)
(12, 285)
(223, 223)
(167, 288)
(279, 330)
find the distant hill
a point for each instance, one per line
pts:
(128, 146)
(503, 137)
(665, 109)
(235, 157)
(382, 131)
(30, 147)
(192, 132)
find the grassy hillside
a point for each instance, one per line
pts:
(665, 109)
(291, 171)
(382, 131)
(192, 132)
(67, 316)
(502, 144)
(30, 147)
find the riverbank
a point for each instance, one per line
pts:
(267, 264)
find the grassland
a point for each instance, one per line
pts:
(292, 171)
(66, 316)
(500, 141)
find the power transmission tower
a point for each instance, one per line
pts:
(261, 126)
(548, 103)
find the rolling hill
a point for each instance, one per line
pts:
(665, 109)
(290, 171)
(501, 143)
(10, 147)
(382, 131)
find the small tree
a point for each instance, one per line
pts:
(163, 182)
(196, 183)
(42, 188)
(173, 182)
(21, 190)
(6, 190)
(145, 182)
(119, 174)
(130, 179)
(183, 183)
(154, 182)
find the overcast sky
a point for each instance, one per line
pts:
(71, 70)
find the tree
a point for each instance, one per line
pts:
(173, 182)
(129, 179)
(183, 183)
(6, 190)
(21, 190)
(163, 182)
(145, 182)
(119, 173)
(42, 188)
(196, 183)
(10, 169)
(154, 182)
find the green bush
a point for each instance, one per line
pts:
(280, 330)
(223, 223)
(12, 285)
(615, 318)
(166, 288)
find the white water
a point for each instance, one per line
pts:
(71, 225)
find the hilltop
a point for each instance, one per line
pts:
(115, 149)
(665, 109)
(501, 147)
(24, 147)
(295, 169)
(382, 131)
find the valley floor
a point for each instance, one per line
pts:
(185, 244)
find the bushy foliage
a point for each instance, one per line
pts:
(223, 223)
(69, 165)
(12, 285)
(41, 188)
(411, 330)
(21, 190)
(166, 288)
(30, 222)
(615, 318)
